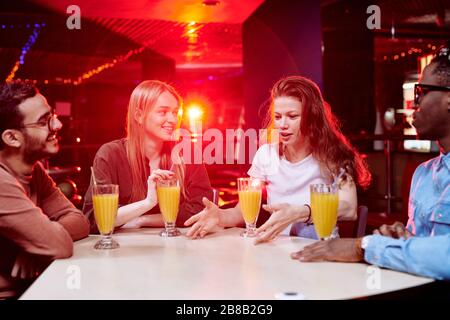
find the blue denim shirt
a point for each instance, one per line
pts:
(428, 252)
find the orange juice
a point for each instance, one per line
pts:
(105, 211)
(324, 207)
(169, 200)
(250, 202)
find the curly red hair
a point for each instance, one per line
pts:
(321, 128)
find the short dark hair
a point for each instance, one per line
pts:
(12, 94)
(442, 62)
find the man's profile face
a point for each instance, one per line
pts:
(432, 118)
(39, 141)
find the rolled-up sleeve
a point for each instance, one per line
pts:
(424, 256)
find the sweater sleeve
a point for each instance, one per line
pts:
(197, 186)
(58, 208)
(28, 227)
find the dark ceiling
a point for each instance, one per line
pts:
(111, 29)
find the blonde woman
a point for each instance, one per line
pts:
(136, 162)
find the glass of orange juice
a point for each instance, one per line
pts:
(324, 208)
(168, 192)
(105, 198)
(250, 191)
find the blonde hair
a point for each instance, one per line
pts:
(143, 99)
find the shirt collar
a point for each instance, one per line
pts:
(445, 158)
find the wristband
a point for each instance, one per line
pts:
(309, 215)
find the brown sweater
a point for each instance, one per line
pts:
(111, 166)
(36, 219)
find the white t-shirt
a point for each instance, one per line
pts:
(288, 182)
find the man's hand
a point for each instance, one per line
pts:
(342, 250)
(396, 230)
(27, 266)
(204, 222)
(281, 215)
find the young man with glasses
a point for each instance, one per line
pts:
(423, 247)
(37, 222)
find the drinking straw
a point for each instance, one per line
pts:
(336, 180)
(93, 176)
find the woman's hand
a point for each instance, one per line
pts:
(155, 176)
(133, 224)
(131, 215)
(282, 215)
(204, 222)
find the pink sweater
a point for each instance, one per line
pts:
(37, 219)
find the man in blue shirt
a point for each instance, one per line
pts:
(423, 247)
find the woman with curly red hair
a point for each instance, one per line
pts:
(310, 149)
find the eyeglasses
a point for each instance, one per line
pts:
(51, 122)
(421, 90)
(443, 51)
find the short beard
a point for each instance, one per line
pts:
(34, 150)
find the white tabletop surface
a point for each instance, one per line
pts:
(220, 266)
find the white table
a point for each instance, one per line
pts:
(220, 266)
